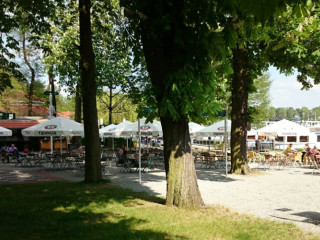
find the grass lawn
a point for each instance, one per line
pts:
(60, 210)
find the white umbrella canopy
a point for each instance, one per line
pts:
(146, 129)
(114, 130)
(216, 129)
(104, 132)
(194, 127)
(283, 128)
(58, 126)
(5, 132)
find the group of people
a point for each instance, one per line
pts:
(308, 152)
(6, 152)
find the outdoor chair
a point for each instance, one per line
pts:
(150, 163)
(253, 157)
(315, 167)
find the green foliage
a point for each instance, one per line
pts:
(295, 43)
(260, 100)
(122, 108)
(23, 15)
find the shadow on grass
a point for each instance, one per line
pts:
(75, 211)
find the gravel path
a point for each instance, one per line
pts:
(290, 195)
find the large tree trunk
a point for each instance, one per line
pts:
(110, 109)
(89, 88)
(182, 186)
(51, 83)
(78, 101)
(239, 112)
(33, 75)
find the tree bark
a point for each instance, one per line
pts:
(239, 112)
(110, 109)
(33, 75)
(51, 83)
(78, 101)
(89, 89)
(182, 186)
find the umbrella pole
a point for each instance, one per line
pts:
(226, 143)
(139, 132)
(51, 144)
(60, 145)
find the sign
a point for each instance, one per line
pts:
(51, 133)
(50, 127)
(145, 127)
(288, 134)
(222, 113)
(51, 92)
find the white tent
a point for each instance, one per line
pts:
(216, 129)
(194, 127)
(114, 130)
(146, 129)
(5, 132)
(58, 126)
(104, 132)
(283, 128)
(315, 129)
(55, 127)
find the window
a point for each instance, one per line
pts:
(291, 139)
(304, 138)
(318, 138)
(279, 139)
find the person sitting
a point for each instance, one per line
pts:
(24, 152)
(309, 155)
(13, 151)
(3, 153)
(315, 153)
(78, 150)
(288, 150)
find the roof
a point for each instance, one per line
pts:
(19, 124)
(283, 128)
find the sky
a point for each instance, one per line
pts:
(285, 91)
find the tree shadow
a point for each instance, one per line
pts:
(79, 211)
(310, 217)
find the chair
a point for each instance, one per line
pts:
(290, 160)
(297, 159)
(315, 167)
(150, 162)
(251, 156)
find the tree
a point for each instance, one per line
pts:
(89, 88)
(316, 113)
(271, 113)
(305, 113)
(112, 53)
(123, 109)
(296, 42)
(175, 45)
(259, 101)
(281, 113)
(20, 14)
(291, 113)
